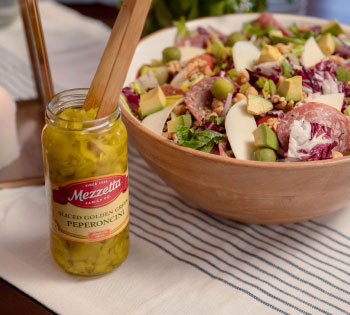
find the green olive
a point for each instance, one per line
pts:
(234, 38)
(171, 53)
(221, 88)
(265, 155)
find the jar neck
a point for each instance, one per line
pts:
(75, 98)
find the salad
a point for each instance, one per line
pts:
(265, 93)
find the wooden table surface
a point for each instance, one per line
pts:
(12, 300)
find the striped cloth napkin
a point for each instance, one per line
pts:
(182, 260)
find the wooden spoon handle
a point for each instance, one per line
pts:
(102, 74)
(125, 54)
(37, 49)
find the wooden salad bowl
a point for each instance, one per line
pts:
(247, 191)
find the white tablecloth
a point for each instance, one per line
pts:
(182, 261)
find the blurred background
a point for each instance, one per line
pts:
(163, 12)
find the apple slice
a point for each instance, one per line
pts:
(312, 53)
(239, 129)
(245, 55)
(156, 121)
(335, 100)
(189, 52)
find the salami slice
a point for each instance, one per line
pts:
(198, 98)
(169, 90)
(323, 115)
(266, 19)
(195, 40)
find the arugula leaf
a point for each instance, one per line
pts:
(273, 87)
(261, 82)
(298, 50)
(266, 90)
(294, 30)
(287, 70)
(300, 35)
(218, 120)
(182, 29)
(202, 140)
(343, 74)
(250, 30)
(268, 86)
(286, 40)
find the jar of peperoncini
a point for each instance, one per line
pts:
(86, 179)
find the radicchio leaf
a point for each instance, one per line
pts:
(321, 78)
(317, 146)
(343, 51)
(132, 98)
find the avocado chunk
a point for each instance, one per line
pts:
(332, 27)
(172, 99)
(347, 111)
(183, 120)
(270, 53)
(265, 155)
(327, 44)
(161, 73)
(156, 63)
(152, 101)
(291, 88)
(257, 105)
(275, 32)
(264, 137)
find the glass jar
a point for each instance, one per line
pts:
(86, 179)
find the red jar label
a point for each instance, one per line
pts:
(92, 209)
(92, 193)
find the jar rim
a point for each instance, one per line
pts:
(79, 92)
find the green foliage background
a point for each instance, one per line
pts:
(164, 12)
